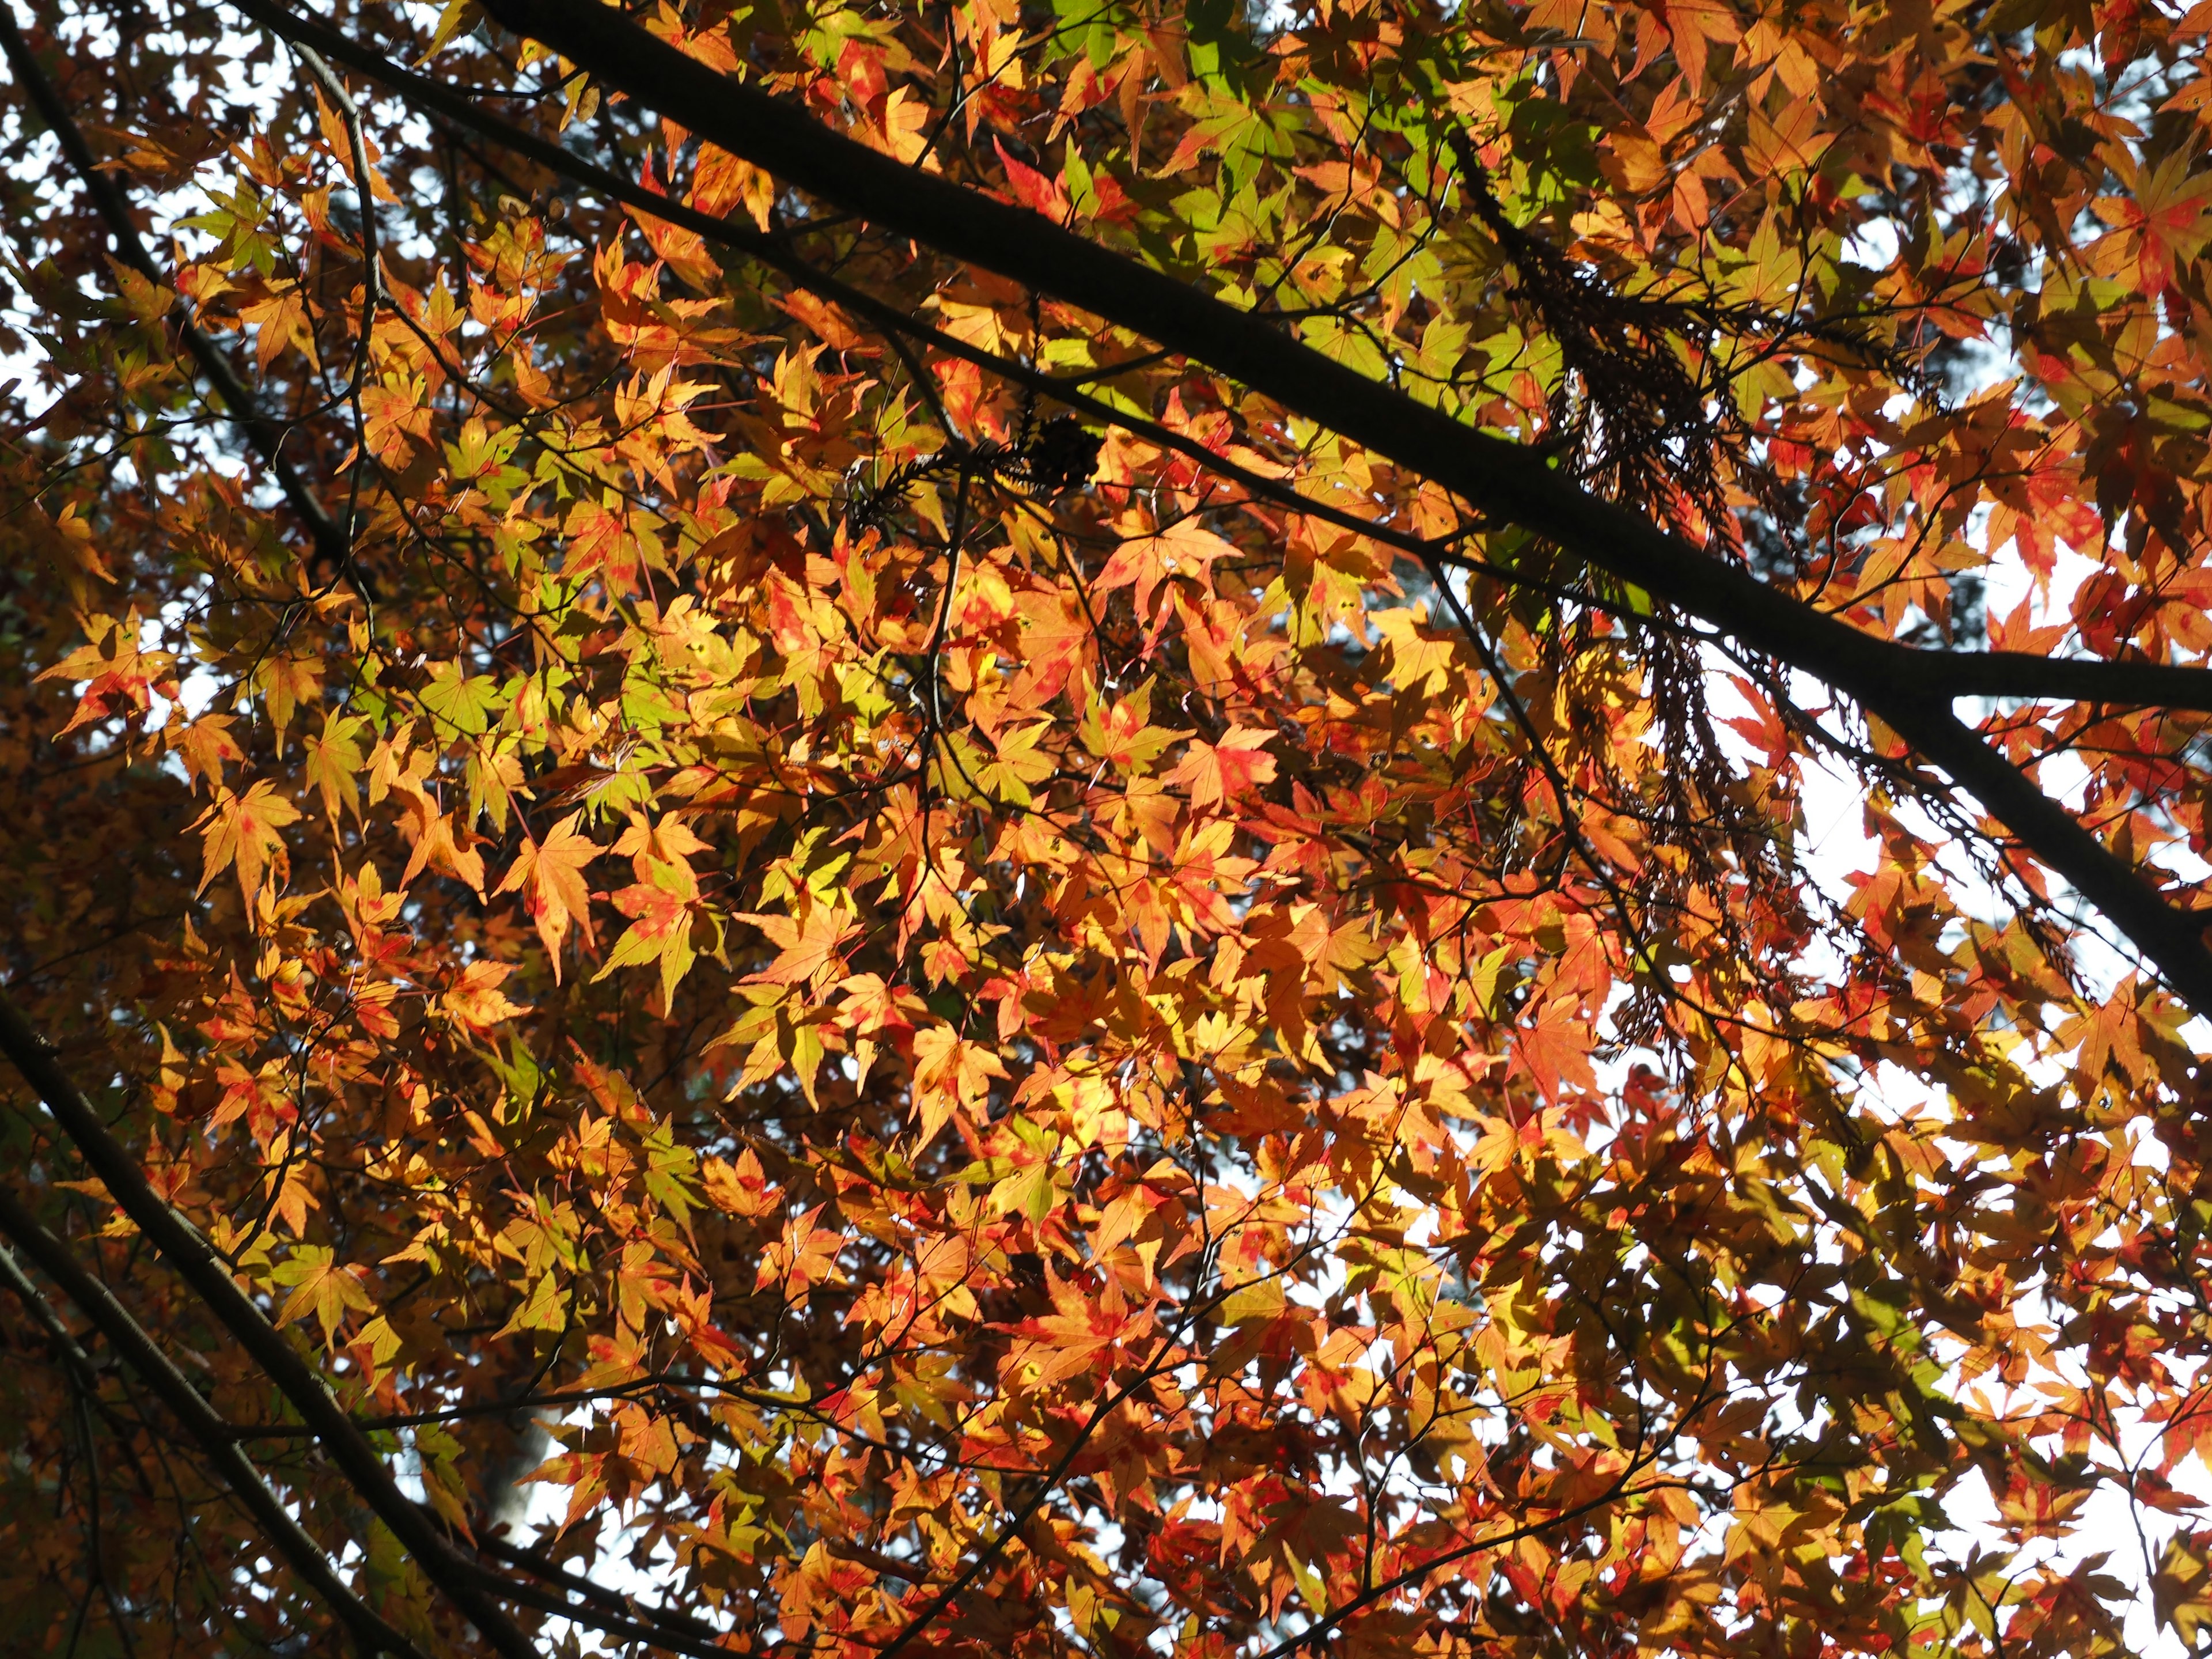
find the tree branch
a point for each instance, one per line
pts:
(1939, 673)
(194, 1260)
(123, 1334)
(1894, 682)
(2051, 679)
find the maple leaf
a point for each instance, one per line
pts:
(1225, 772)
(334, 759)
(280, 319)
(601, 543)
(807, 944)
(1121, 734)
(1183, 550)
(207, 745)
(950, 1074)
(669, 842)
(115, 669)
(907, 119)
(322, 1285)
(872, 1007)
(1056, 644)
(660, 929)
(721, 181)
(739, 1188)
(245, 830)
(1019, 763)
(540, 1311)
(775, 1033)
(2169, 213)
(477, 1000)
(1554, 1047)
(442, 843)
(550, 875)
(1421, 659)
(394, 421)
(464, 704)
(805, 1256)
(1032, 188)
(2182, 1587)
(1697, 27)
(286, 682)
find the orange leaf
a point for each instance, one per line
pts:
(549, 874)
(1224, 774)
(243, 831)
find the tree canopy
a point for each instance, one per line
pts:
(997, 829)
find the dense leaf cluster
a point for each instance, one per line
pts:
(899, 974)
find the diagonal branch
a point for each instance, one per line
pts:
(465, 1583)
(2009, 674)
(1907, 688)
(193, 1260)
(290, 1539)
(2031, 679)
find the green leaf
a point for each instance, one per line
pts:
(465, 706)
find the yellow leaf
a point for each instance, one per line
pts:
(551, 875)
(477, 1000)
(243, 831)
(320, 1284)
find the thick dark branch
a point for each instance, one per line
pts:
(199, 1420)
(776, 252)
(193, 1258)
(1503, 480)
(2167, 935)
(468, 1584)
(2054, 679)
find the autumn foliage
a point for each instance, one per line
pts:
(896, 973)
